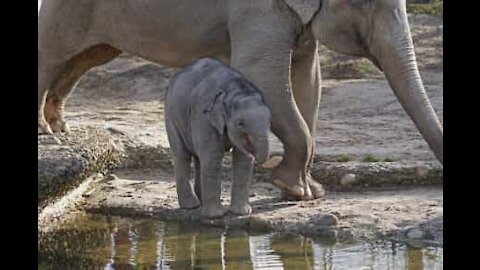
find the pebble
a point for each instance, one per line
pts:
(348, 179)
(326, 219)
(49, 139)
(415, 234)
(114, 130)
(111, 177)
(421, 171)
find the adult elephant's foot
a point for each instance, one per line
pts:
(272, 162)
(44, 128)
(290, 181)
(316, 188)
(60, 125)
(54, 115)
(315, 191)
(294, 187)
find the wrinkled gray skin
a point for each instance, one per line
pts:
(272, 42)
(209, 109)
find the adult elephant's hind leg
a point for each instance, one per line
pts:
(44, 79)
(67, 75)
(307, 91)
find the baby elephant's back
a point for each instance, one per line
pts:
(203, 73)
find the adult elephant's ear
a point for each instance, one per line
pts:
(305, 9)
(214, 110)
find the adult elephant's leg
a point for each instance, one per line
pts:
(264, 57)
(66, 77)
(306, 88)
(45, 77)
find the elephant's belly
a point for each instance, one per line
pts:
(173, 32)
(178, 54)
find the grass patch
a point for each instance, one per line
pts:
(345, 158)
(371, 158)
(434, 8)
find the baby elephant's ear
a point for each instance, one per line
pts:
(215, 111)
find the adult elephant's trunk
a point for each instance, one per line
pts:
(391, 49)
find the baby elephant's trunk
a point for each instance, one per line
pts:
(262, 151)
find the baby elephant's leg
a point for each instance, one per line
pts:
(186, 197)
(198, 184)
(242, 176)
(211, 187)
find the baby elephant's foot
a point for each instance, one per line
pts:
(215, 211)
(190, 202)
(242, 209)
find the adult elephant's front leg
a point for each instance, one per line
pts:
(264, 57)
(306, 88)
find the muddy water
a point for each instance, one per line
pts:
(98, 242)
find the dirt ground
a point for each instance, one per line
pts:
(413, 215)
(359, 116)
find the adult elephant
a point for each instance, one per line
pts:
(272, 42)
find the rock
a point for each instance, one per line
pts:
(325, 220)
(345, 234)
(415, 233)
(348, 179)
(327, 234)
(421, 171)
(111, 177)
(115, 130)
(83, 152)
(48, 139)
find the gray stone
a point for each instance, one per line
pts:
(325, 220)
(415, 233)
(348, 179)
(48, 139)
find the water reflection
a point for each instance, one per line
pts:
(100, 243)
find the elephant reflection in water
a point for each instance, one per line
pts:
(151, 245)
(134, 244)
(206, 248)
(217, 248)
(296, 252)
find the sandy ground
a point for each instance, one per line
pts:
(413, 215)
(358, 116)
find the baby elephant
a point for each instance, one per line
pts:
(209, 109)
